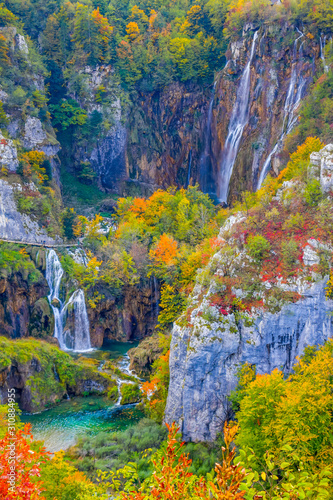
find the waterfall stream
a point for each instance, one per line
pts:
(189, 169)
(239, 119)
(295, 93)
(77, 336)
(322, 52)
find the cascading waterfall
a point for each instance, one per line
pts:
(295, 93)
(322, 52)
(124, 366)
(205, 157)
(54, 273)
(238, 121)
(189, 169)
(77, 339)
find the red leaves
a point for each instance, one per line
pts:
(20, 462)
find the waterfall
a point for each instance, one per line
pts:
(54, 273)
(77, 339)
(189, 169)
(295, 93)
(80, 340)
(322, 53)
(205, 157)
(238, 120)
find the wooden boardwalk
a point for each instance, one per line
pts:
(46, 245)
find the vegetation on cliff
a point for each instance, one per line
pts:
(47, 374)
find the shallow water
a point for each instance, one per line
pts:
(59, 427)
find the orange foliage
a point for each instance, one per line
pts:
(32, 162)
(165, 251)
(172, 480)
(102, 22)
(139, 206)
(26, 466)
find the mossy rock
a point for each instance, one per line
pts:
(113, 393)
(56, 303)
(45, 374)
(41, 320)
(143, 356)
(130, 393)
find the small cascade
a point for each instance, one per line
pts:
(189, 169)
(205, 159)
(322, 52)
(124, 366)
(297, 85)
(238, 121)
(76, 338)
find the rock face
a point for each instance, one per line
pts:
(35, 394)
(143, 356)
(35, 137)
(15, 225)
(203, 366)
(23, 310)
(108, 158)
(131, 316)
(178, 135)
(322, 167)
(8, 154)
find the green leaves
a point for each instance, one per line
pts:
(68, 113)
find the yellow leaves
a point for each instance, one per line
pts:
(33, 163)
(104, 27)
(132, 30)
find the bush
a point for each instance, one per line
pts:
(312, 193)
(258, 247)
(290, 253)
(130, 393)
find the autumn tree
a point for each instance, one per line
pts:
(16, 451)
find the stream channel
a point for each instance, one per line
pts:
(60, 426)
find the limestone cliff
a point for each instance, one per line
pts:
(180, 134)
(244, 311)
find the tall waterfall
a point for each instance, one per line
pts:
(295, 93)
(322, 52)
(238, 120)
(76, 337)
(189, 169)
(205, 157)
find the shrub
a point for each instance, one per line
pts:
(130, 393)
(312, 193)
(290, 252)
(258, 247)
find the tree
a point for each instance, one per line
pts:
(164, 252)
(68, 113)
(4, 51)
(132, 30)
(19, 456)
(69, 220)
(276, 412)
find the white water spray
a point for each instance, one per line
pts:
(77, 339)
(238, 121)
(295, 93)
(322, 52)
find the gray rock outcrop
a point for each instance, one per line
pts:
(8, 154)
(14, 225)
(321, 165)
(203, 364)
(35, 137)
